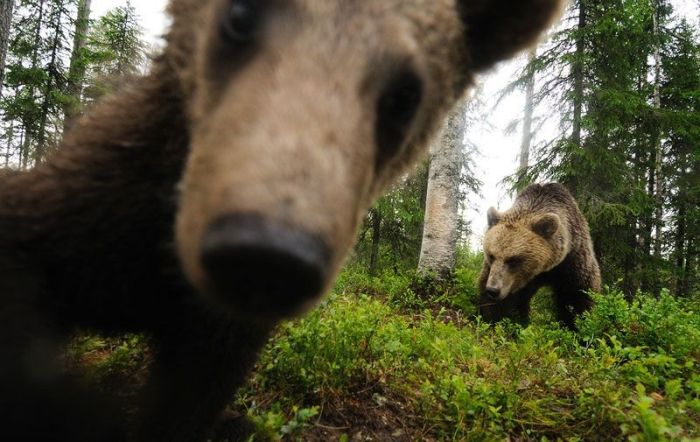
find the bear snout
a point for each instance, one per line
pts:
(493, 293)
(261, 267)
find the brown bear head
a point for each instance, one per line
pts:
(518, 247)
(300, 113)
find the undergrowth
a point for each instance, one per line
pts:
(630, 372)
(412, 353)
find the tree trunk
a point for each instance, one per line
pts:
(76, 73)
(29, 129)
(26, 143)
(646, 283)
(527, 121)
(658, 163)
(376, 225)
(680, 250)
(690, 266)
(8, 147)
(49, 87)
(440, 231)
(6, 8)
(578, 74)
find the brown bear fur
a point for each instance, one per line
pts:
(543, 240)
(105, 235)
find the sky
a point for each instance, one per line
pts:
(499, 151)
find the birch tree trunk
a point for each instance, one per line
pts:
(441, 228)
(6, 9)
(527, 121)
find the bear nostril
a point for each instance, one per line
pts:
(493, 293)
(261, 267)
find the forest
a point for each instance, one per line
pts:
(398, 350)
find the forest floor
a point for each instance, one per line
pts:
(386, 359)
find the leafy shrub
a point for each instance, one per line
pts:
(387, 285)
(664, 324)
(274, 425)
(629, 372)
(325, 351)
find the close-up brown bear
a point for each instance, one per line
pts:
(221, 193)
(542, 241)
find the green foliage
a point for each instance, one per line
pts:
(390, 237)
(40, 87)
(115, 50)
(467, 273)
(274, 425)
(116, 365)
(114, 355)
(630, 371)
(360, 282)
(35, 92)
(664, 323)
(412, 291)
(303, 362)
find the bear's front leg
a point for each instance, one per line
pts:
(571, 303)
(198, 365)
(571, 289)
(515, 307)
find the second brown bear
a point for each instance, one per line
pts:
(543, 240)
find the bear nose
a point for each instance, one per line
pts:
(493, 293)
(262, 267)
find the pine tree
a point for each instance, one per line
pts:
(78, 64)
(56, 64)
(117, 50)
(53, 93)
(36, 76)
(679, 92)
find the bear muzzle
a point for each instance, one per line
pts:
(263, 268)
(493, 293)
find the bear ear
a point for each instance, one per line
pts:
(493, 217)
(546, 225)
(498, 29)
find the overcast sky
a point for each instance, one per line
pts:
(499, 152)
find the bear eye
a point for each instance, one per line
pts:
(514, 261)
(242, 20)
(491, 258)
(396, 109)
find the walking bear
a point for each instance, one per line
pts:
(543, 240)
(221, 193)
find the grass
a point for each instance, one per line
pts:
(392, 359)
(630, 372)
